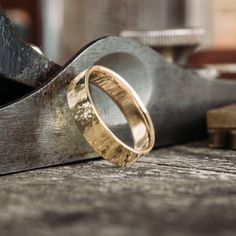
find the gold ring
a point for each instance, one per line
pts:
(95, 131)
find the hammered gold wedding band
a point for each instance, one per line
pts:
(93, 128)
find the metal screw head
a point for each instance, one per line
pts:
(174, 44)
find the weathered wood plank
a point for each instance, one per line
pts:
(180, 190)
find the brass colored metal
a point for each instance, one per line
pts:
(93, 128)
(221, 124)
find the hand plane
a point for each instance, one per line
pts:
(37, 126)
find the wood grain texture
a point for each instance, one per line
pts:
(180, 190)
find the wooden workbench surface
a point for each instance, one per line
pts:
(180, 190)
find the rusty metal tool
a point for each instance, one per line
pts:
(221, 124)
(38, 128)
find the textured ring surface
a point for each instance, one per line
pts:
(93, 128)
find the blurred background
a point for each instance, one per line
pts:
(60, 28)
